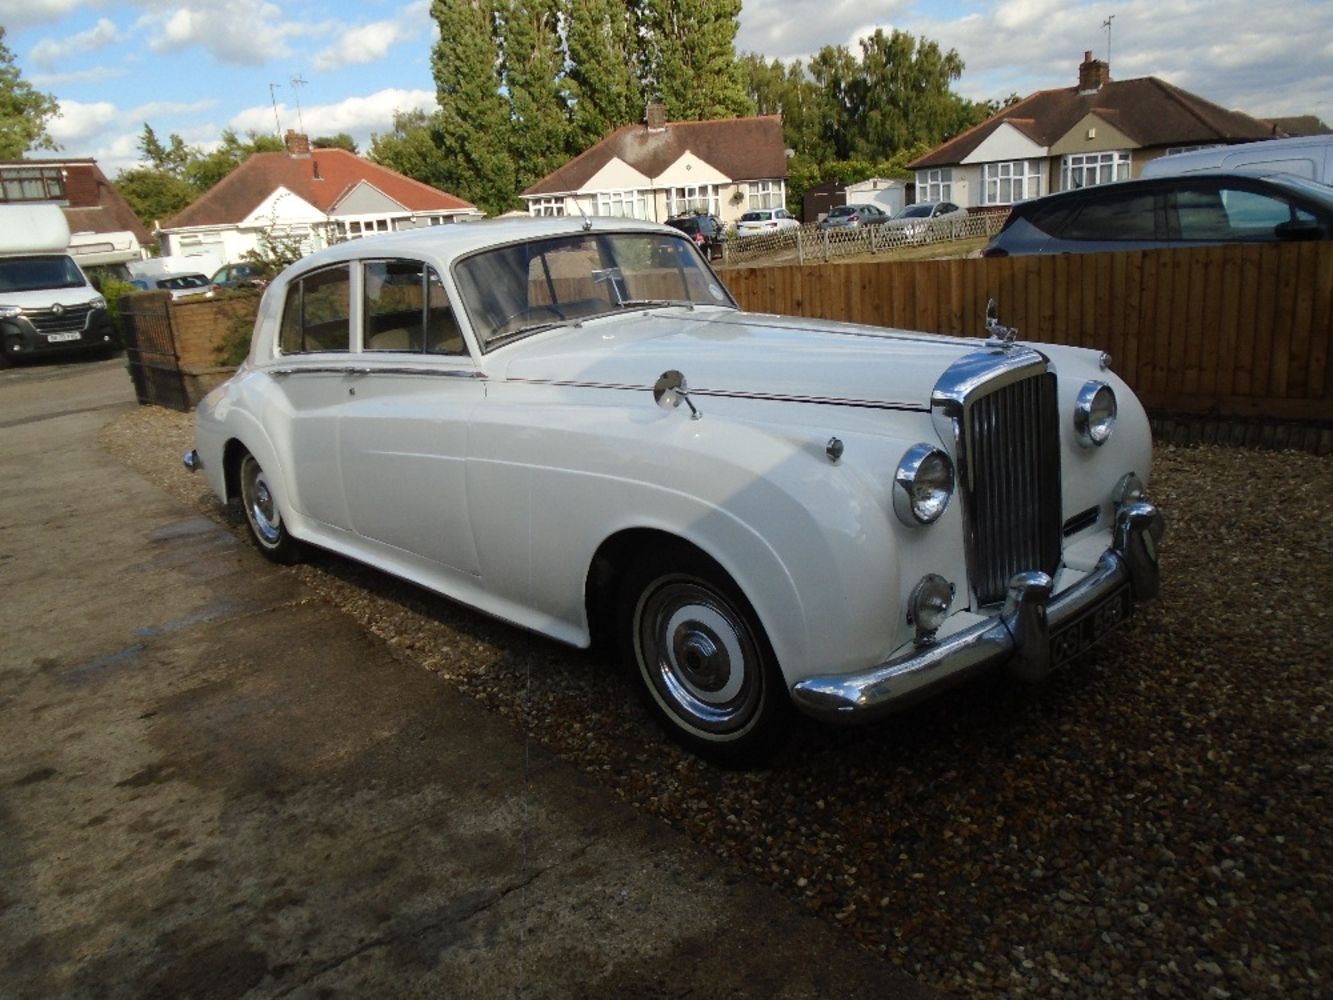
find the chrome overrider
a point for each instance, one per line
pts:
(1019, 635)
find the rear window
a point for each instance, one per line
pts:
(757, 216)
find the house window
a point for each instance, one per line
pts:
(1007, 183)
(1080, 170)
(626, 204)
(546, 206)
(934, 185)
(32, 184)
(767, 194)
(692, 198)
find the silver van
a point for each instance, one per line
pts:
(1310, 157)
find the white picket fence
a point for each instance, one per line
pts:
(808, 243)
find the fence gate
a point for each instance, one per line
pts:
(150, 350)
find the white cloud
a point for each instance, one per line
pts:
(50, 51)
(95, 75)
(363, 44)
(79, 122)
(357, 116)
(796, 29)
(16, 14)
(242, 32)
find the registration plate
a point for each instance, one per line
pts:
(1080, 634)
(60, 338)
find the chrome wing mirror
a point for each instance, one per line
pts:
(670, 390)
(1000, 335)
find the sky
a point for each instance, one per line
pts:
(195, 67)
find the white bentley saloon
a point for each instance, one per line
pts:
(569, 424)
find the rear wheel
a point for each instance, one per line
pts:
(267, 529)
(703, 662)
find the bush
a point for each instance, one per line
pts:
(240, 307)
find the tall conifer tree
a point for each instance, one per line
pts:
(690, 48)
(604, 60)
(474, 121)
(534, 69)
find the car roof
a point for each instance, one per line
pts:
(453, 240)
(1311, 190)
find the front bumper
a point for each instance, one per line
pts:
(1020, 635)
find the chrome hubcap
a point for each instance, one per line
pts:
(698, 655)
(260, 509)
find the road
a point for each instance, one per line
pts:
(214, 784)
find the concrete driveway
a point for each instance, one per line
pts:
(214, 784)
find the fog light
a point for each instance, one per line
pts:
(929, 605)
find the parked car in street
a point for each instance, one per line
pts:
(1172, 211)
(706, 231)
(179, 285)
(570, 425)
(854, 217)
(239, 275)
(927, 220)
(765, 220)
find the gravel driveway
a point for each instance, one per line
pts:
(1154, 819)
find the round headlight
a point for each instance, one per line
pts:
(1094, 414)
(923, 485)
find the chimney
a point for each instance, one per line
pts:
(297, 144)
(655, 116)
(1093, 74)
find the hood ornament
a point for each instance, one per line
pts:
(1001, 336)
(670, 389)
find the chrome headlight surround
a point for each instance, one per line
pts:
(923, 485)
(1129, 489)
(1094, 414)
(10, 312)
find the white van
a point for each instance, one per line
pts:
(46, 302)
(1310, 157)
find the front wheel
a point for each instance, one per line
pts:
(267, 529)
(703, 662)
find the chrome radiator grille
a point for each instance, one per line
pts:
(1012, 483)
(67, 319)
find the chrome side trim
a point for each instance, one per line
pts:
(469, 373)
(775, 397)
(1021, 632)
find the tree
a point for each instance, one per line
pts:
(603, 76)
(413, 148)
(203, 170)
(24, 111)
(171, 158)
(340, 141)
(473, 122)
(533, 70)
(690, 57)
(153, 194)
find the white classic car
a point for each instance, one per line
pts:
(569, 424)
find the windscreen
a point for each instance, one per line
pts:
(518, 290)
(32, 274)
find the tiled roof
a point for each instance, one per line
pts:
(321, 178)
(1299, 125)
(741, 148)
(1150, 111)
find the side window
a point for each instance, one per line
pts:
(317, 313)
(406, 309)
(393, 306)
(1114, 217)
(442, 333)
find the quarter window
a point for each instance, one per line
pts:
(1008, 183)
(1080, 170)
(317, 313)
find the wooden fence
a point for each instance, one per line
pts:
(1228, 331)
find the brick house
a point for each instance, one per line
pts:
(659, 169)
(1098, 131)
(103, 228)
(316, 196)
